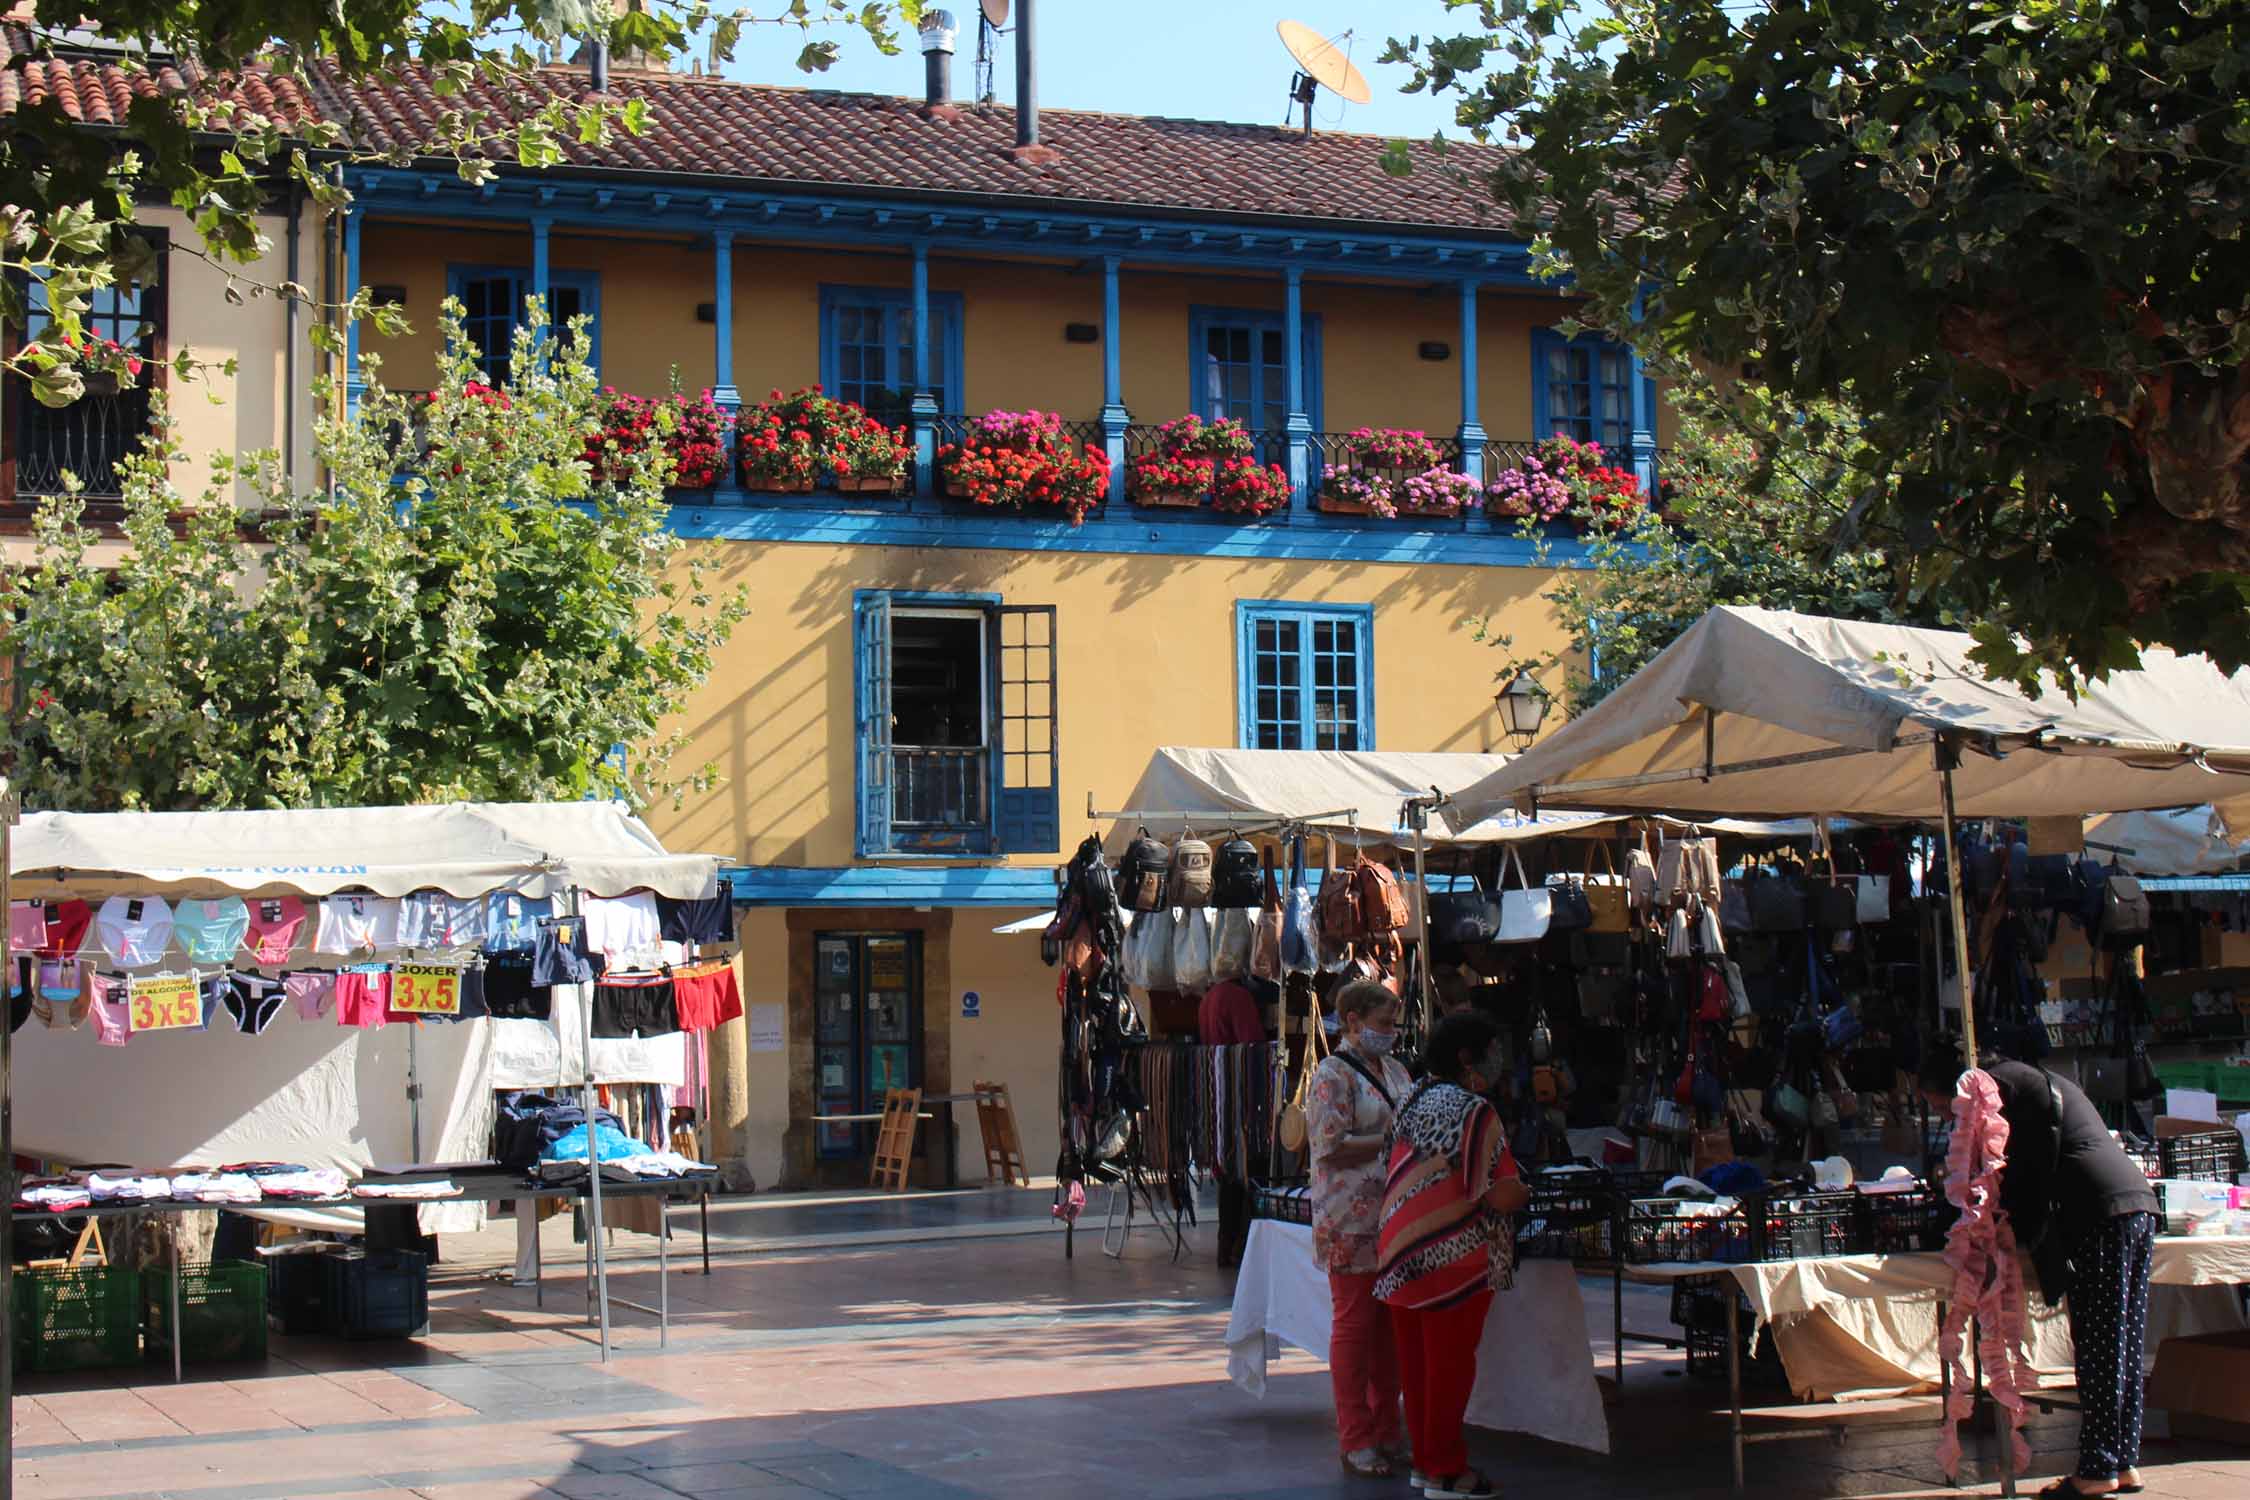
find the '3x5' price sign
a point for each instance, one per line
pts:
(165, 1002)
(426, 989)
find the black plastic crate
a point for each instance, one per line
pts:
(1894, 1221)
(2144, 1155)
(1671, 1231)
(1541, 1239)
(1810, 1225)
(296, 1291)
(377, 1294)
(2202, 1156)
(1289, 1204)
(1566, 1197)
(1707, 1358)
(1700, 1302)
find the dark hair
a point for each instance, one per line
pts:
(1942, 1067)
(1362, 996)
(1469, 1031)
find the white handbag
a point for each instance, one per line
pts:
(1231, 933)
(1152, 936)
(1525, 910)
(1191, 949)
(1874, 899)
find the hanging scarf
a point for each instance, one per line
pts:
(1987, 1280)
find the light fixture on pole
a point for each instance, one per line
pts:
(1523, 708)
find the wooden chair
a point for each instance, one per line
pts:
(894, 1138)
(1003, 1148)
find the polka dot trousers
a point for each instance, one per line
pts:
(2108, 1306)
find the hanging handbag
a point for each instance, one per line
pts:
(1525, 911)
(1825, 1114)
(1707, 938)
(1711, 999)
(2125, 912)
(1738, 993)
(1847, 1102)
(1155, 931)
(1459, 917)
(1300, 942)
(1676, 935)
(1291, 1127)
(1734, 907)
(1609, 904)
(1191, 950)
(1641, 890)
(1777, 903)
(1265, 937)
(1233, 929)
(1688, 867)
(1568, 908)
(1836, 903)
(1788, 1107)
(1872, 897)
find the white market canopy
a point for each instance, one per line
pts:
(1769, 713)
(2177, 841)
(462, 848)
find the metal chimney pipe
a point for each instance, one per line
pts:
(938, 32)
(597, 64)
(1027, 76)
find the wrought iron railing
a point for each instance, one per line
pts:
(938, 788)
(87, 439)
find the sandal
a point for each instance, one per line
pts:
(2066, 1488)
(2129, 1482)
(1366, 1463)
(1466, 1485)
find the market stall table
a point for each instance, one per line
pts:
(1792, 1288)
(1535, 1369)
(480, 1187)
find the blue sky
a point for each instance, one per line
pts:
(1198, 59)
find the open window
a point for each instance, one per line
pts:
(956, 725)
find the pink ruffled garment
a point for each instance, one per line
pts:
(1987, 1278)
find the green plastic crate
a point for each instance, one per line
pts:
(222, 1312)
(76, 1320)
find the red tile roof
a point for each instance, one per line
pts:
(814, 137)
(866, 142)
(99, 92)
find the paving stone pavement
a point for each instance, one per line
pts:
(957, 1369)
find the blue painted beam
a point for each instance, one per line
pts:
(922, 406)
(1115, 418)
(1472, 427)
(1296, 424)
(852, 219)
(355, 219)
(881, 885)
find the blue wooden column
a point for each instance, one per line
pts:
(1472, 430)
(540, 224)
(1115, 418)
(1295, 424)
(923, 407)
(354, 386)
(1644, 427)
(724, 394)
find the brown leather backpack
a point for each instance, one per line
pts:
(1382, 901)
(1338, 910)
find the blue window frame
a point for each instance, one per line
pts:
(1306, 679)
(955, 725)
(1236, 367)
(867, 348)
(492, 299)
(1583, 387)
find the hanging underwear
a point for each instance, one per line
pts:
(511, 921)
(134, 930)
(314, 990)
(211, 931)
(112, 1009)
(353, 924)
(559, 955)
(509, 994)
(635, 1005)
(23, 979)
(27, 926)
(275, 922)
(253, 1000)
(62, 998)
(706, 995)
(706, 921)
(363, 997)
(433, 919)
(63, 925)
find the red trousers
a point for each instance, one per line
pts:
(1437, 1353)
(1362, 1364)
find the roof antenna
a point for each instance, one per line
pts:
(992, 22)
(1321, 64)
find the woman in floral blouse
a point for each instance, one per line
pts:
(1348, 1119)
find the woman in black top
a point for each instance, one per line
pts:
(2085, 1216)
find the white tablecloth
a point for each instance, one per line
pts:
(1858, 1327)
(1535, 1367)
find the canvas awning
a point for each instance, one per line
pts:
(463, 848)
(1770, 713)
(2177, 841)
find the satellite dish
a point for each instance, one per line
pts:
(1321, 64)
(995, 13)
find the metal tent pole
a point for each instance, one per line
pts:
(1419, 817)
(593, 1157)
(8, 1181)
(1947, 756)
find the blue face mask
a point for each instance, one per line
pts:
(1376, 1043)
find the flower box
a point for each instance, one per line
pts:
(867, 484)
(1172, 499)
(1337, 505)
(758, 484)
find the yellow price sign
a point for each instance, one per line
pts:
(426, 989)
(164, 1002)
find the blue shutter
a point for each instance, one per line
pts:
(1027, 812)
(871, 655)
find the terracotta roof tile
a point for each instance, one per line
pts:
(820, 138)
